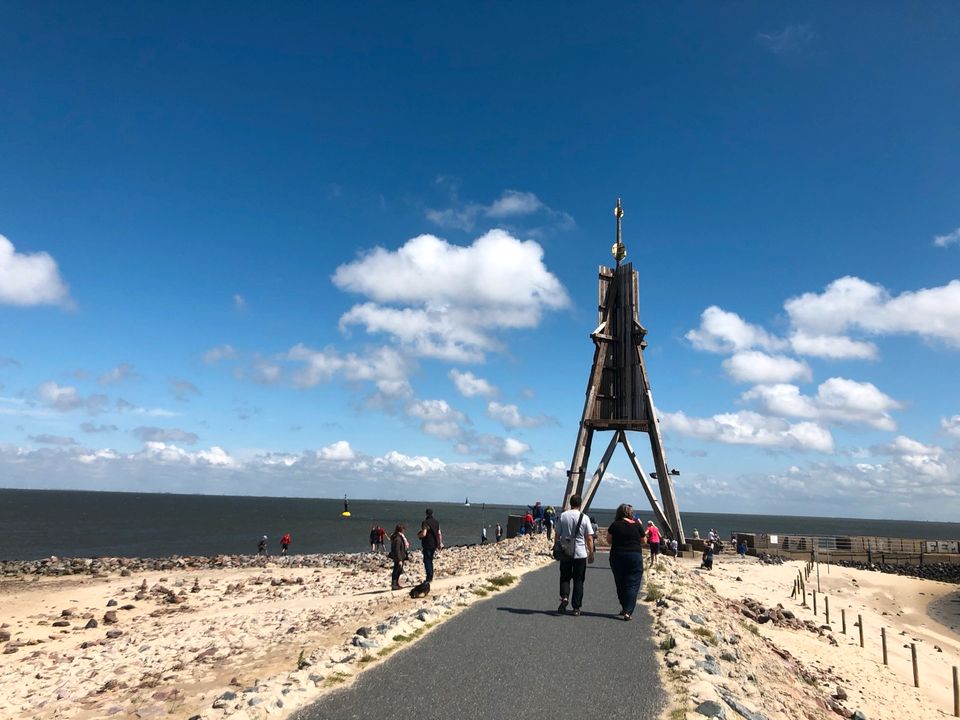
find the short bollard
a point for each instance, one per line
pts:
(956, 693)
(916, 670)
(826, 607)
(883, 642)
(814, 603)
(860, 623)
(843, 620)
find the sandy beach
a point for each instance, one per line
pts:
(204, 643)
(788, 663)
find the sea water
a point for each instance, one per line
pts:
(40, 523)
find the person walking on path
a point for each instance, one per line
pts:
(499, 532)
(431, 540)
(575, 535)
(284, 543)
(549, 520)
(399, 551)
(626, 558)
(262, 546)
(653, 538)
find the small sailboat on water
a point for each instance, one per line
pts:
(466, 503)
(346, 508)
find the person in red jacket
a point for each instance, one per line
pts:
(284, 543)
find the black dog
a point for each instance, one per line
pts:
(421, 590)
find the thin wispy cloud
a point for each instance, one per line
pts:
(793, 39)
(239, 302)
(511, 205)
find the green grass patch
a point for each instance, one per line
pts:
(668, 643)
(654, 592)
(502, 581)
(751, 628)
(401, 638)
(385, 651)
(678, 713)
(365, 659)
(480, 592)
(706, 634)
(336, 679)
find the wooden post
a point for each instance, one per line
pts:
(843, 620)
(883, 642)
(860, 623)
(814, 603)
(916, 670)
(956, 693)
(826, 607)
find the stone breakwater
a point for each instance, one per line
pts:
(205, 638)
(944, 572)
(717, 665)
(56, 566)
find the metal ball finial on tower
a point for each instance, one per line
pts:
(619, 250)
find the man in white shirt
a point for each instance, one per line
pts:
(576, 536)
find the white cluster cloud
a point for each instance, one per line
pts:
(30, 279)
(838, 400)
(820, 323)
(339, 451)
(438, 418)
(721, 331)
(851, 304)
(66, 398)
(951, 425)
(510, 416)
(750, 428)
(469, 385)
(385, 367)
(753, 366)
(314, 473)
(951, 238)
(448, 301)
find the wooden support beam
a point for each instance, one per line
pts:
(598, 475)
(645, 482)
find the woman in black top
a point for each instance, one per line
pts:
(626, 558)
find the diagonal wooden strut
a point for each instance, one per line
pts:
(601, 469)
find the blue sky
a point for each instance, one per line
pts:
(309, 251)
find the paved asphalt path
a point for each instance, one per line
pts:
(513, 656)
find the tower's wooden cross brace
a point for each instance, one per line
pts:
(618, 395)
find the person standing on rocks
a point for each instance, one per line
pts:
(653, 538)
(575, 535)
(399, 552)
(431, 540)
(284, 543)
(262, 546)
(499, 532)
(626, 558)
(381, 535)
(483, 535)
(373, 538)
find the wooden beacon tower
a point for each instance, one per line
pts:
(618, 394)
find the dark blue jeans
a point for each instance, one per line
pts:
(428, 562)
(627, 570)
